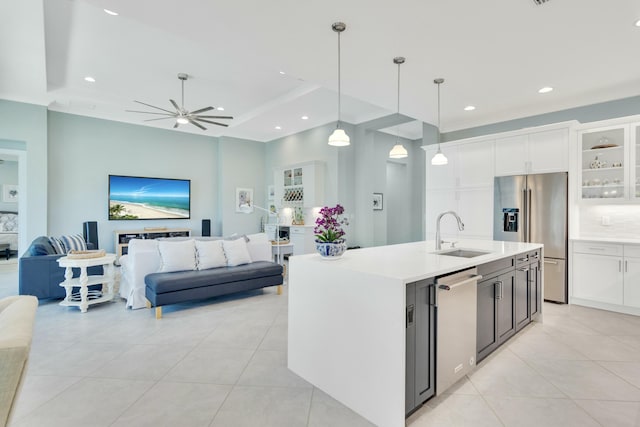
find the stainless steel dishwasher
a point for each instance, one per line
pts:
(456, 308)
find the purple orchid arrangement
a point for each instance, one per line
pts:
(329, 224)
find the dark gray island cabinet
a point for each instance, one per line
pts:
(509, 298)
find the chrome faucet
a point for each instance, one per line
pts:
(460, 227)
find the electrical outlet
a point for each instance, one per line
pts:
(606, 220)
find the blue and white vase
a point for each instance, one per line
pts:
(331, 250)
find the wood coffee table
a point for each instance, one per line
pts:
(84, 298)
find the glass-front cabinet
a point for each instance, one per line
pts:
(610, 163)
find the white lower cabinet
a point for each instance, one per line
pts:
(598, 278)
(303, 240)
(606, 275)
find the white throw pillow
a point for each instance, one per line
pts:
(236, 252)
(210, 254)
(177, 256)
(259, 247)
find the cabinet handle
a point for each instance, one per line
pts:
(497, 289)
(523, 259)
(596, 249)
(626, 266)
(523, 269)
(546, 261)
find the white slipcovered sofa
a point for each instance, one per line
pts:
(169, 259)
(17, 315)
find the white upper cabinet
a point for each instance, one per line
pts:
(549, 151)
(475, 164)
(512, 155)
(534, 152)
(300, 185)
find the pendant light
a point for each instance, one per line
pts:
(398, 151)
(439, 159)
(339, 137)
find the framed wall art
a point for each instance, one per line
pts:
(377, 201)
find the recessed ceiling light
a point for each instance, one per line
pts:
(278, 128)
(90, 79)
(637, 23)
(469, 108)
(110, 12)
(220, 108)
(545, 89)
(283, 73)
(305, 117)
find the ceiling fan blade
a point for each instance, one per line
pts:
(150, 112)
(157, 108)
(202, 110)
(197, 124)
(176, 125)
(160, 118)
(215, 117)
(208, 121)
(175, 104)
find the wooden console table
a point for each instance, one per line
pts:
(84, 298)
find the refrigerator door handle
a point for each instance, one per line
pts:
(525, 215)
(529, 215)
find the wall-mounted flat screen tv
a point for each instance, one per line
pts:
(133, 197)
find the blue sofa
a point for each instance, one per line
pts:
(39, 272)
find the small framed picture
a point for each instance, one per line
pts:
(271, 192)
(244, 200)
(377, 201)
(9, 193)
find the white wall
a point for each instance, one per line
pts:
(83, 151)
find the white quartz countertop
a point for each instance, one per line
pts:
(606, 239)
(410, 262)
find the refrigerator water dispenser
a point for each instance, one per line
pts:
(510, 219)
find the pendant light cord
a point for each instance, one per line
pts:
(182, 80)
(339, 87)
(398, 110)
(439, 116)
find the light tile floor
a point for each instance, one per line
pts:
(222, 363)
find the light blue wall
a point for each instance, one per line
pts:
(8, 175)
(83, 151)
(24, 127)
(241, 164)
(590, 113)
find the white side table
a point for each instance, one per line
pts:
(279, 251)
(84, 298)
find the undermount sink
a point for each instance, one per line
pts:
(463, 253)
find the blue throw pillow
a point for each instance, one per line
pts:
(41, 246)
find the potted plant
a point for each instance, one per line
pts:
(329, 233)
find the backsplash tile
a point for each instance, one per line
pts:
(625, 221)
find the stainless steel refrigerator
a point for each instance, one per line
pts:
(533, 208)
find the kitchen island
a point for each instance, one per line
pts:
(347, 319)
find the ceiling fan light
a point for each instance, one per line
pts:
(182, 120)
(439, 159)
(398, 152)
(339, 138)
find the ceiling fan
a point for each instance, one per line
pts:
(182, 115)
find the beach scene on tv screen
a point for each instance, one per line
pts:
(148, 198)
